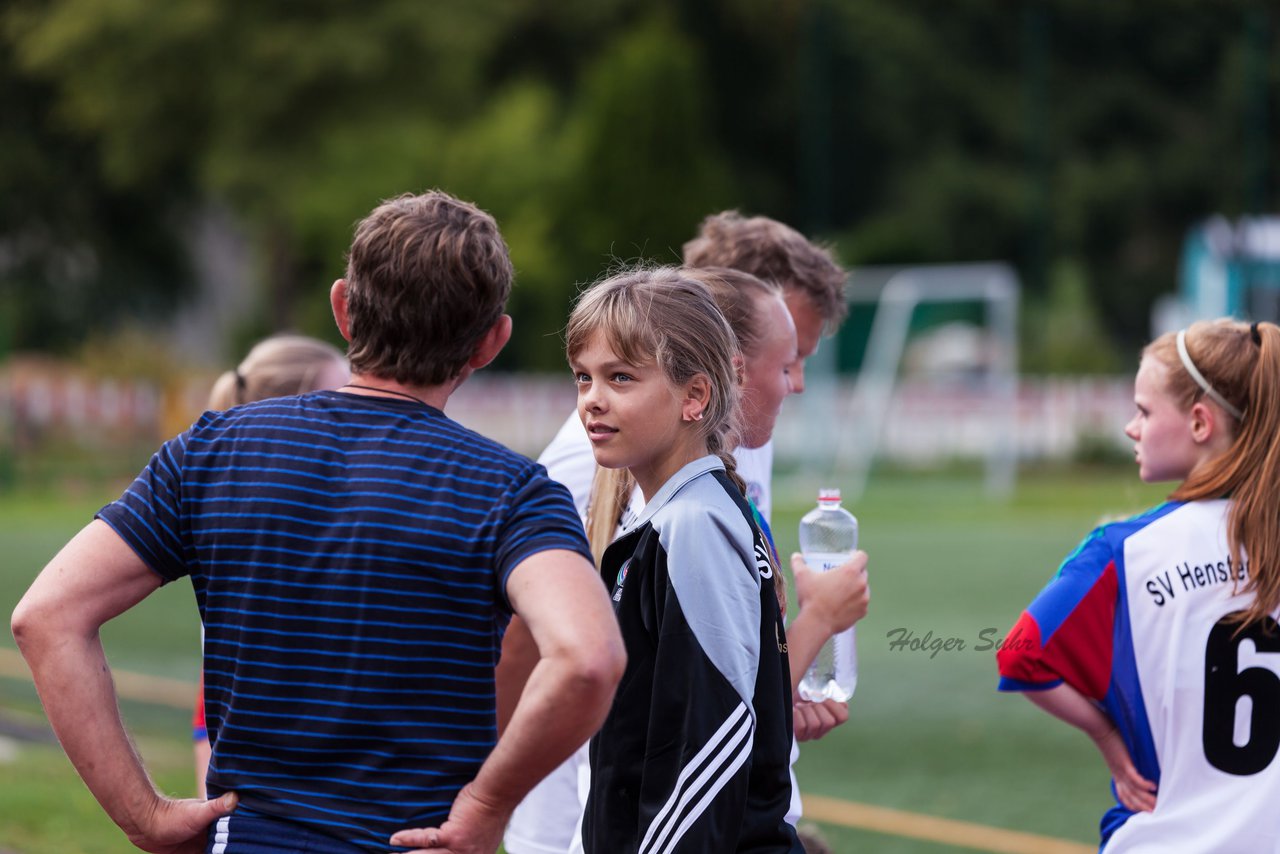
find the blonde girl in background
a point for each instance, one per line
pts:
(278, 366)
(1158, 635)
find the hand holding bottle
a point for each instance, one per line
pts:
(829, 540)
(837, 598)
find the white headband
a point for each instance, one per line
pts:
(1209, 390)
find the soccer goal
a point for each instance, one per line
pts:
(858, 421)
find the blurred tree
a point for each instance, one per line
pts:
(302, 116)
(647, 166)
(259, 102)
(1062, 333)
(598, 129)
(1102, 136)
(75, 248)
(1153, 139)
(626, 176)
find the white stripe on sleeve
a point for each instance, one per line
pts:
(708, 771)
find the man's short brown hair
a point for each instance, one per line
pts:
(769, 250)
(427, 277)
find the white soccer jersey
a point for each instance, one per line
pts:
(1137, 620)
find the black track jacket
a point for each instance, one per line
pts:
(693, 756)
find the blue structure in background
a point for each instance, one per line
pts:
(1231, 271)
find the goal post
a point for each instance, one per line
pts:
(859, 424)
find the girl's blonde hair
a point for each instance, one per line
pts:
(658, 316)
(680, 320)
(1242, 363)
(740, 297)
(277, 366)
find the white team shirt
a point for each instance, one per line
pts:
(1135, 621)
(1213, 702)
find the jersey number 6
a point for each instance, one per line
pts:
(1225, 684)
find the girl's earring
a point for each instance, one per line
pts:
(697, 416)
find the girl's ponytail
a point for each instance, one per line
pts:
(277, 366)
(1242, 361)
(716, 445)
(226, 391)
(1255, 512)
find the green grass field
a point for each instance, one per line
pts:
(926, 734)
(929, 733)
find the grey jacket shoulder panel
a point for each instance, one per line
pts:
(711, 564)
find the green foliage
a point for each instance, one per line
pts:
(1040, 131)
(75, 249)
(1030, 132)
(927, 735)
(1061, 332)
(647, 167)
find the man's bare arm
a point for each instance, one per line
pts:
(519, 657)
(94, 578)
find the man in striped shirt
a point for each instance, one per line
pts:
(355, 556)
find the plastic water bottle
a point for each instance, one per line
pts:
(828, 538)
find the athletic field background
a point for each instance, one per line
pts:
(928, 735)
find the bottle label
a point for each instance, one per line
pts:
(822, 561)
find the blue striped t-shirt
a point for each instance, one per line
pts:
(349, 556)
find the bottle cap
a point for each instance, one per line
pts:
(828, 496)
